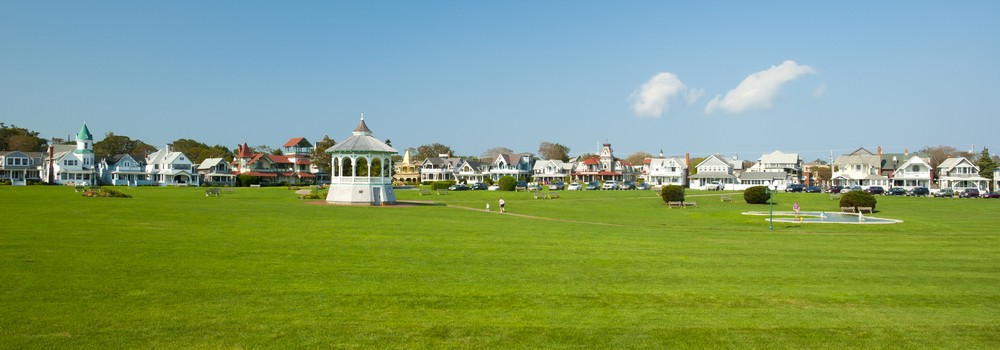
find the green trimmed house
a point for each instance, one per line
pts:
(73, 166)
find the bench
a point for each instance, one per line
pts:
(425, 192)
(691, 204)
(213, 192)
(520, 188)
(552, 195)
(539, 195)
(865, 210)
(727, 198)
(229, 190)
(254, 186)
(675, 204)
(847, 209)
(835, 196)
(79, 188)
(442, 191)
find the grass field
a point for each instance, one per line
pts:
(171, 268)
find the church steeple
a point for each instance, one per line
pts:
(84, 141)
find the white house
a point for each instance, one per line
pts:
(166, 168)
(859, 168)
(517, 166)
(73, 166)
(471, 171)
(662, 171)
(19, 167)
(914, 171)
(442, 168)
(216, 171)
(779, 162)
(123, 170)
(551, 170)
(715, 169)
(996, 179)
(960, 173)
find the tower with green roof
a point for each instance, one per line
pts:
(85, 148)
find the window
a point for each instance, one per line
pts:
(916, 168)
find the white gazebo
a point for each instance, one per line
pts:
(362, 170)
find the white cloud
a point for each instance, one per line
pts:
(820, 90)
(692, 95)
(758, 89)
(651, 100)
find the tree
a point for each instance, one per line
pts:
(692, 168)
(198, 152)
(637, 158)
(117, 144)
(432, 150)
(938, 154)
(265, 149)
(492, 153)
(672, 193)
(23, 139)
(553, 151)
(823, 173)
(320, 159)
(986, 164)
(507, 183)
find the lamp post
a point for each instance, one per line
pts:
(770, 204)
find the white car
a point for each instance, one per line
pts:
(493, 187)
(576, 186)
(610, 185)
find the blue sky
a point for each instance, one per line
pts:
(737, 78)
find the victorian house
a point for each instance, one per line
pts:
(518, 166)
(169, 168)
(663, 171)
(441, 168)
(70, 165)
(216, 172)
(20, 167)
(960, 173)
(859, 168)
(551, 170)
(716, 170)
(123, 170)
(908, 170)
(603, 167)
(406, 172)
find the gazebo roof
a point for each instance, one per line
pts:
(361, 140)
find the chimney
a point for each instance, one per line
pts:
(687, 162)
(167, 148)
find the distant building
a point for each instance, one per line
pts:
(406, 172)
(123, 170)
(169, 168)
(21, 167)
(73, 166)
(362, 170)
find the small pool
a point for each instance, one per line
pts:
(819, 217)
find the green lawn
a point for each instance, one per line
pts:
(171, 268)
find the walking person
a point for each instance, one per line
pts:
(487, 206)
(502, 209)
(795, 207)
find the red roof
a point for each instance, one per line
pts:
(243, 151)
(303, 161)
(294, 141)
(647, 161)
(591, 161)
(305, 175)
(279, 159)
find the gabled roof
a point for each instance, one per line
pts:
(778, 157)
(950, 163)
(715, 158)
(210, 163)
(243, 151)
(279, 159)
(295, 142)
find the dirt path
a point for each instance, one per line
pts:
(533, 217)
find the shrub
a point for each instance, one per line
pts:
(858, 199)
(440, 185)
(672, 193)
(244, 180)
(5, 182)
(107, 193)
(755, 195)
(507, 183)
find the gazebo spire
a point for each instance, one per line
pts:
(362, 128)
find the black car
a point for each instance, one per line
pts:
(795, 188)
(835, 189)
(627, 185)
(875, 190)
(919, 191)
(458, 187)
(478, 186)
(812, 189)
(896, 191)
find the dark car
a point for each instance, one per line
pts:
(478, 186)
(812, 189)
(896, 191)
(991, 194)
(795, 188)
(521, 186)
(835, 189)
(627, 185)
(642, 186)
(593, 185)
(875, 190)
(919, 191)
(969, 193)
(458, 187)
(945, 192)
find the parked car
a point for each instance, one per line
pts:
(610, 185)
(520, 186)
(593, 185)
(795, 188)
(493, 187)
(458, 187)
(643, 186)
(628, 185)
(969, 193)
(478, 186)
(557, 185)
(812, 189)
(918, 191)
(534, 186)
(712, 187)
(875, 190)
(576, 186)
(896, 191)
(945, 192)
(835, 189)
(853, 188)
(991, 194)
